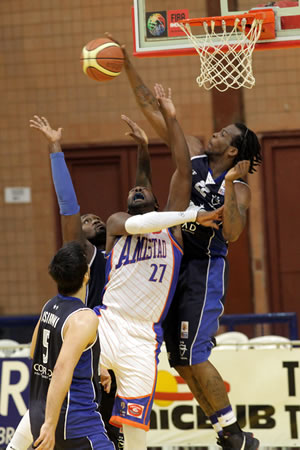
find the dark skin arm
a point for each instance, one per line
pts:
(71, 225)
(180, 186)
(237, 201)
(181, 182)
(143, 170)
(149, 105)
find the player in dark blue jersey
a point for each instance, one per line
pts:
(65, 384)
(90, 230)
(218, 173)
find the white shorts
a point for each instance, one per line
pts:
(130, 348)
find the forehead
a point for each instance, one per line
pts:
(89, 216)
(232, 130)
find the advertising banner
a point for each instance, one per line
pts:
(264, 390)
(14, 395)
(263, 386)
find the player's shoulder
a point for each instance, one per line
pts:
(83, 317)
(200, 164)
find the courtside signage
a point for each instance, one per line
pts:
(14, 395)
(264, 389)
(263, 385)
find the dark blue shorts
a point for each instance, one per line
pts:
(97, 441)
(193, 318)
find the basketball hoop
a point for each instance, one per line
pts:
(226, 57)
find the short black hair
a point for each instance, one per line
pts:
(248, 147)
(68, 268)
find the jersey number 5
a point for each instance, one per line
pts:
(46, 335)
(154, 273)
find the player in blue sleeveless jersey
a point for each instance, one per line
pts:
(218, 173)
(65, 384)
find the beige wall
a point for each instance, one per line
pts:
(40, 74)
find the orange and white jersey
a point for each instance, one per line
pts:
(141, 275)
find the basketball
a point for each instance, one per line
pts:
(102, 59)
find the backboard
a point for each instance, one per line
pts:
(156, 33)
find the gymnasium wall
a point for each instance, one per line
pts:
(40, 73)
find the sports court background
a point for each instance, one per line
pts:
(40, 73)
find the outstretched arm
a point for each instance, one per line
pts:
(181, 182)
(66, 196)
(237, 201)
(143, 169)
(123, 223)
(149, 104)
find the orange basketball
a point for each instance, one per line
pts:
(102, 59)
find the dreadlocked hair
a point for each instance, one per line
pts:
(248, 147)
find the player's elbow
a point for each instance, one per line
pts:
(232, 238)
(231, 235)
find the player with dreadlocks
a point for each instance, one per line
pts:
(218, 174)
(218, 179)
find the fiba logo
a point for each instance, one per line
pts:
(156, 24)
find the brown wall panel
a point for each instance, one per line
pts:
(240, 296)
(101, 178)
(281, 175)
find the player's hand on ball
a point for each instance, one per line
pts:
(209, 218)
(165, 101)
(123, 47)
(137, 133)
(42, 124)
(240, 170)
(102, 59)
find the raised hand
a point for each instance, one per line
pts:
(123, 48)
(165, 101)
(209, 218)
(240, 170)
(42, 124)
(137, 133)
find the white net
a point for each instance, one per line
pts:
(226, 57)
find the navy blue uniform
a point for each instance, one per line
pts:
(97, 279)
(193, 318)
(80, 425)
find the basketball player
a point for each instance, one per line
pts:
(144, 257)
(64, 385)
(218, 173)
